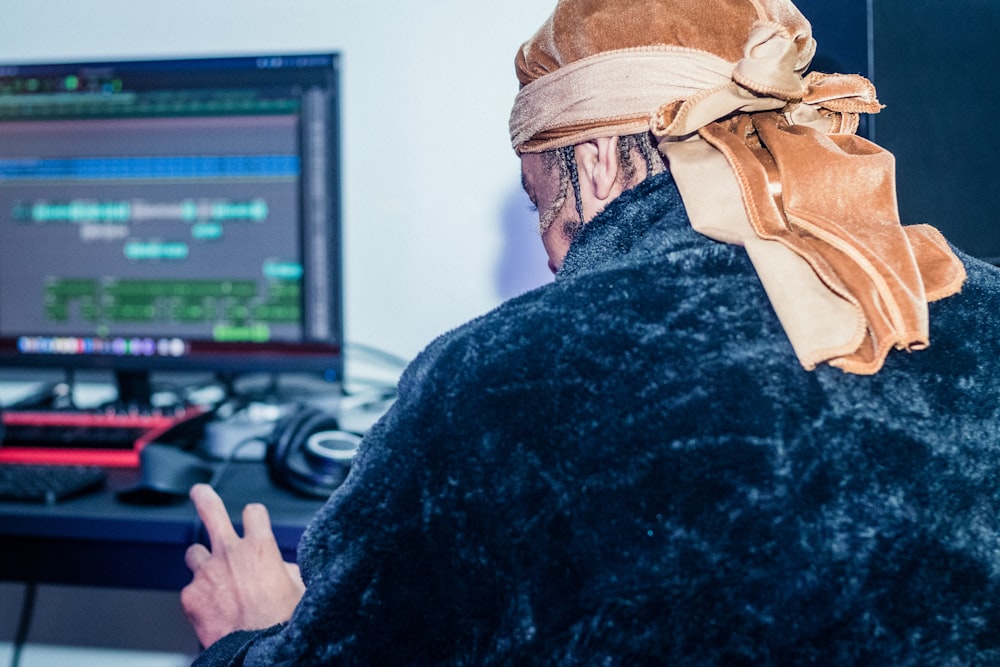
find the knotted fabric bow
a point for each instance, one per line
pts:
(814, 205)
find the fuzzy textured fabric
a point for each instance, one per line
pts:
(629, 467)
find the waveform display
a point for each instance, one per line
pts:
(147, 168)
(255, 210)
(156, 250)
(258, 333)
(206, 231)
(283, 270)
(122, 212)
(234, 309)
(75, 211)
(126, 104)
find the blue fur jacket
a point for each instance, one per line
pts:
(630, 467)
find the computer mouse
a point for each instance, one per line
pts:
(167, 475)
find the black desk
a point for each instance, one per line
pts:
(96, 540)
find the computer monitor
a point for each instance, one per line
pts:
(171, 214)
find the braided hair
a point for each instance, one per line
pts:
(629, 146)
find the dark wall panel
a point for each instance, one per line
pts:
(934, 65)
(935, 69)
(840, 28)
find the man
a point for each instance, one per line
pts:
(703, 443)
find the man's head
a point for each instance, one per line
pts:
(591, 78)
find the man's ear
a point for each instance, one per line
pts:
(597, 164)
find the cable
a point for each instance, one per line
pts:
(24, 622)
(226, 462)
(386, 389)
(216, 479)
(378, 354)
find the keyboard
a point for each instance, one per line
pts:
(49, 484)
(82, 437)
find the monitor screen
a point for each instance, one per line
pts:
(171, 214)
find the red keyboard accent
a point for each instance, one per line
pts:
(145, 428)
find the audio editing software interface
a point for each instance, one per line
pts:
(142, 211)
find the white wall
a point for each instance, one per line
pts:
(436, 229)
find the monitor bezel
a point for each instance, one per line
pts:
(324, 357)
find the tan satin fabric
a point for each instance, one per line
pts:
(849, 283)
(764, 157)
(578, 29)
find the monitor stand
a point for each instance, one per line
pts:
(135, 389)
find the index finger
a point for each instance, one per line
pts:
(213, 514)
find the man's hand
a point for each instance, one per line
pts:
(242, 583)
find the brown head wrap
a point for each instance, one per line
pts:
(764, 156)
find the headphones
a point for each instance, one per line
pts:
(309, 454)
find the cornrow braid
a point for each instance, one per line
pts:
(567, 156)
(625, 161)
(641, 143)
(565, 161)
(554, 160)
